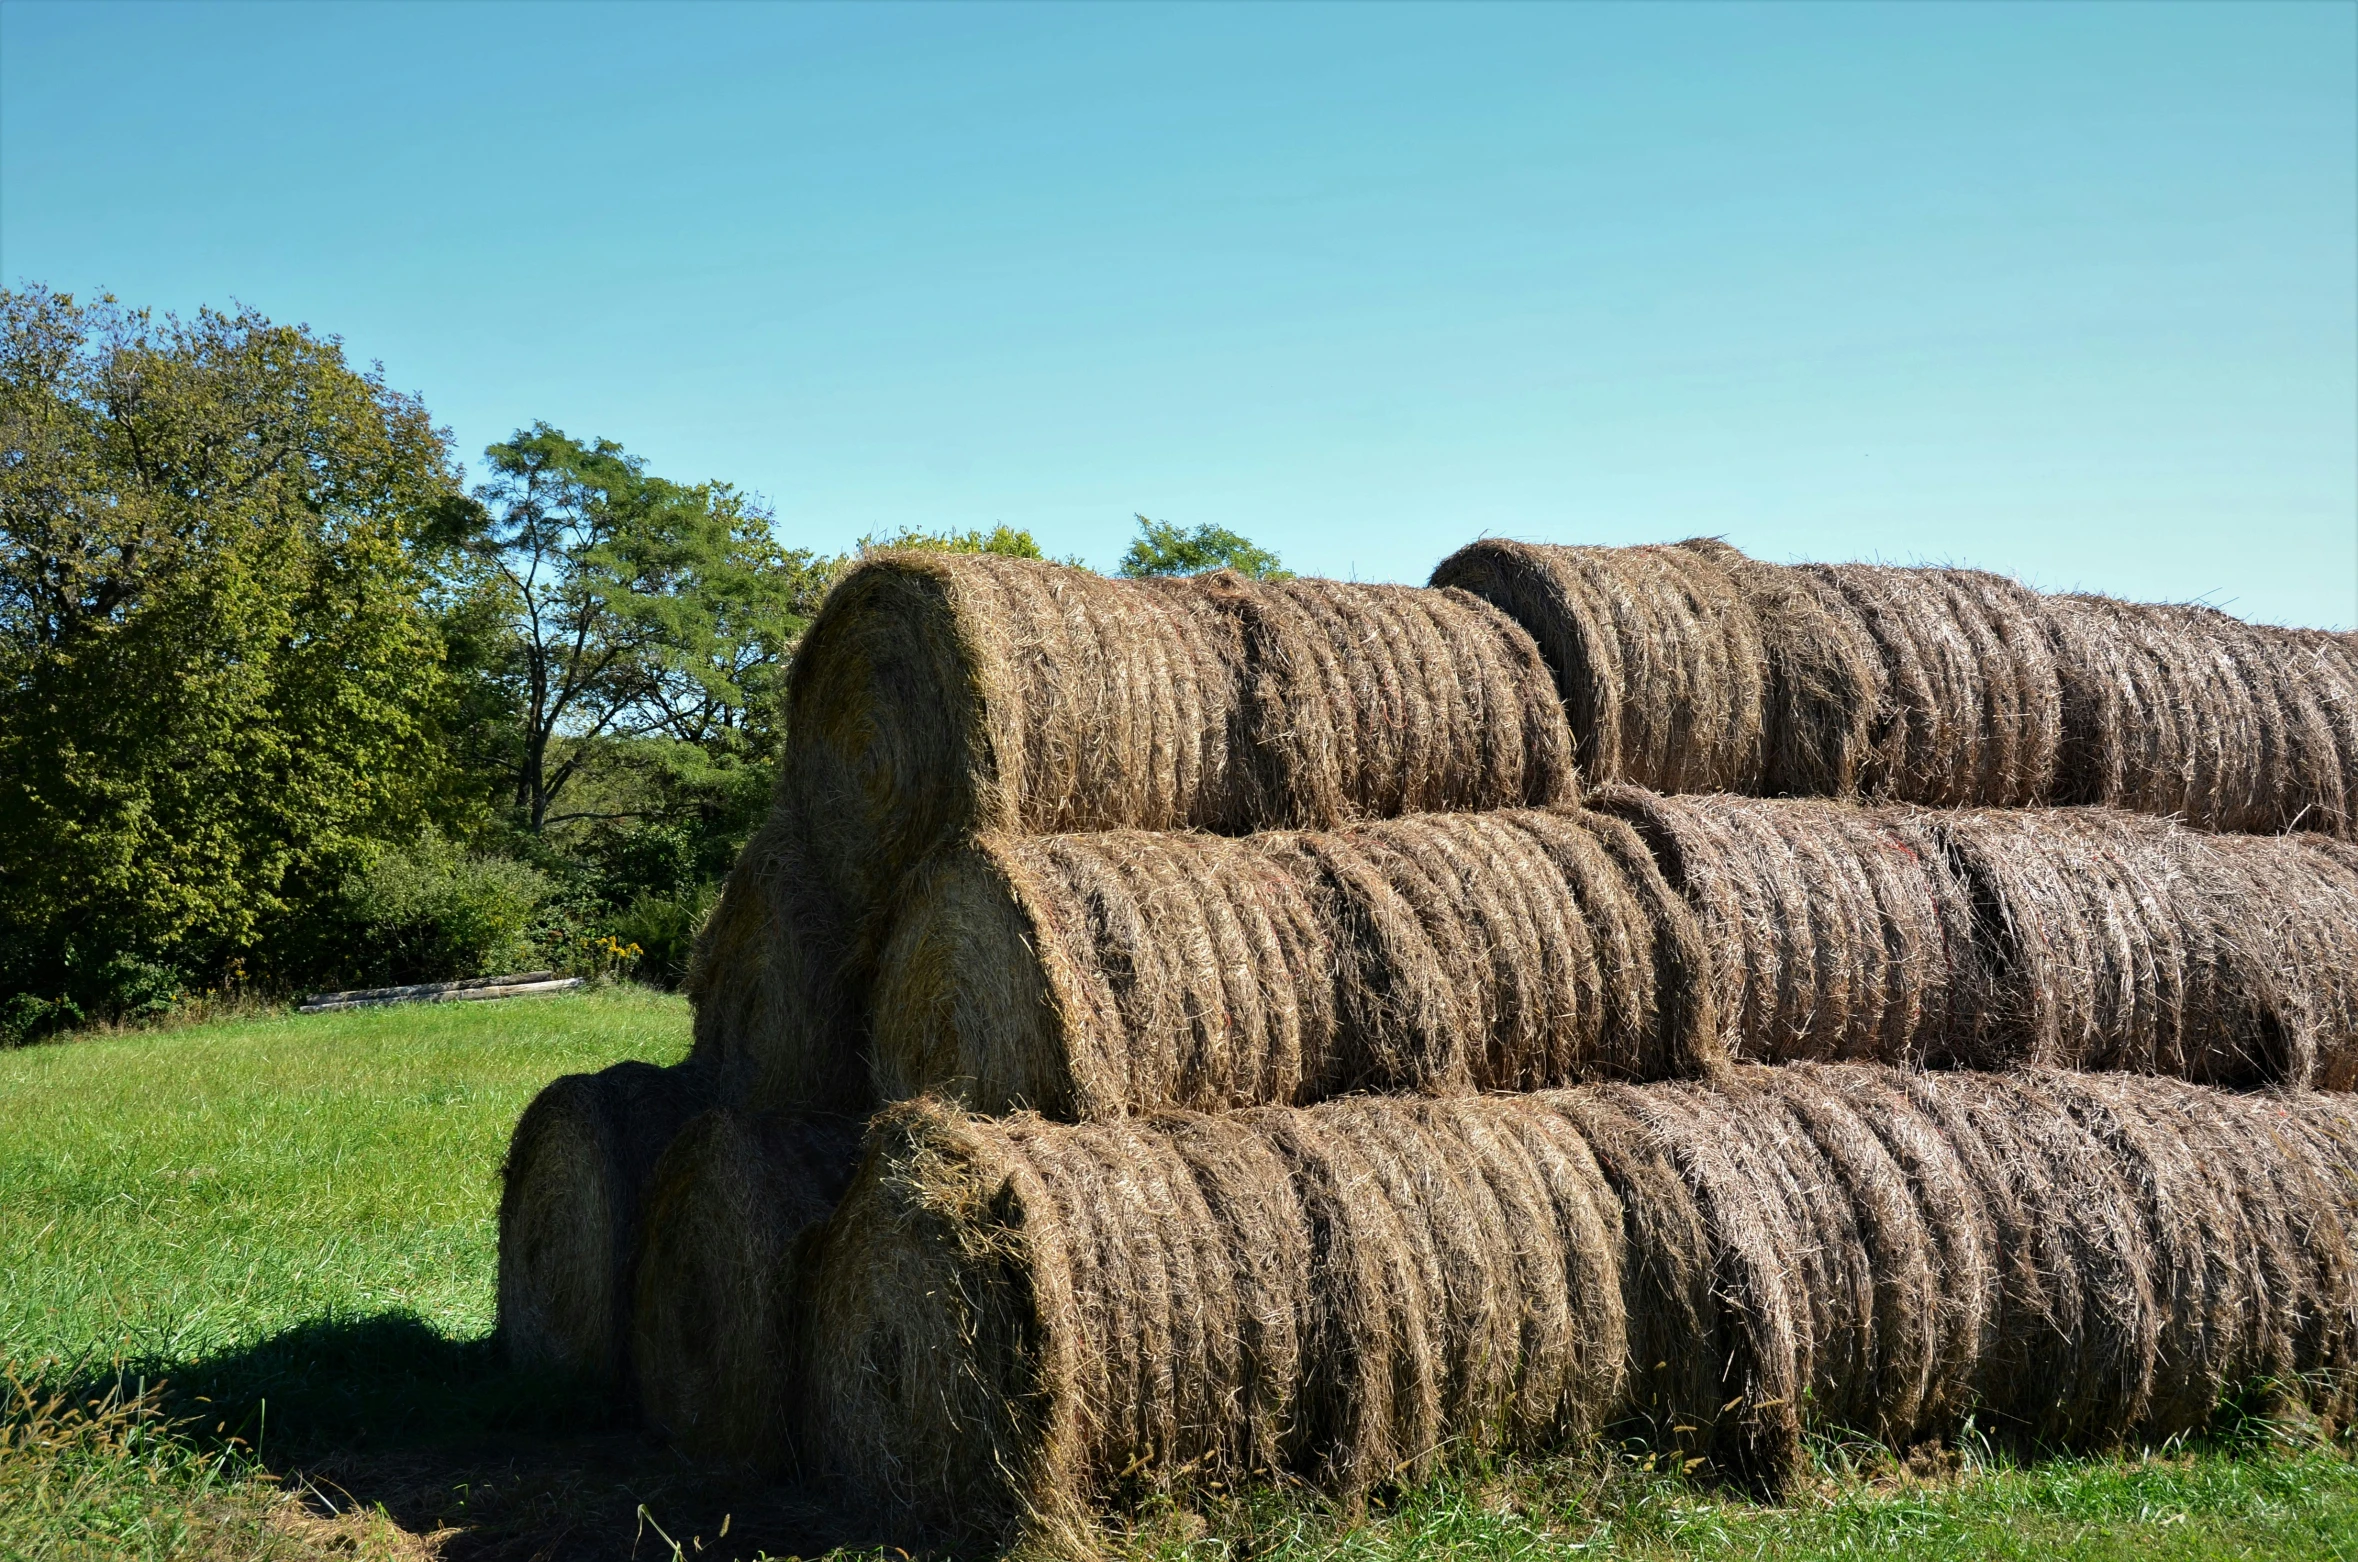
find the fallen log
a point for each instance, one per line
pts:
(522, 985)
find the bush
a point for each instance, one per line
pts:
(120, 987)
(430, 912)
(664, 927)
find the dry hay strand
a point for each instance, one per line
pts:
(2183, 710)
(572, 1190)
(1086, 975)
(774, 1019)
(1823, 677)
(1090, 975)
(2127, 942)
(1373, 701)
(1969, 711)
(2293, 901)
(939, 695)
(1657, 658)
(1835, 932)
(716, 1332)
(1001, 1316)
(1020, 1323)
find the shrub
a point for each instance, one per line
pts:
(429, 910)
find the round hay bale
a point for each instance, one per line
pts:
(2183, 710)
(1657, 658)
(1752, 1421)
(720, 1308)
(1086, 976)
(1962, 1313)
(1970, 710)
(1823, 678)
(1015, 1320)
(1020, 1323)
(1372, 701)
(2071, 1360)
(1834, 932)
(2293, 903)
(572, 1190)
(939, 695)
(2126, 942)
(775, 1020)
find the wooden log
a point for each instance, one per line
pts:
(474, 987)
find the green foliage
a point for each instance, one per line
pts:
(662, 927)
(1005, 540)
(427, 911)
(1165, 548)
(607, 605)
(222, 681)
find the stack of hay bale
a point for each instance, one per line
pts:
(1286, 1069)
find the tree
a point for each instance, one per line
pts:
(635, 608)
(1164, 548)
(223, 680)
(1007, 541)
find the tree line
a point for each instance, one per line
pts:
(292, 704)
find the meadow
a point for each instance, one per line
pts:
(246, 1301)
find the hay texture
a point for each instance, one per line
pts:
(938, 695)
(2061, 937)
(1835, 932)
(1021, 1324)
(716, 1332)
(572, 1190)
(2128, 942)
(1968, 708)
(1657, 657)
(1089, 975)
(2183, 710)
(1694, 668)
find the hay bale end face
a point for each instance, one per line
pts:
(572, 1190)
(1020, 1323)
(941, 695)
(720, 1301)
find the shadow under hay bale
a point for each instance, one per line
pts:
(1019, 1324)
(716, 1330)
(1090, 975)
(572, 1191)
(774, 1021)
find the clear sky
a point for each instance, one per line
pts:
(2065, 291)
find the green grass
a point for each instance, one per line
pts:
(291, 1219)
(171, 1195)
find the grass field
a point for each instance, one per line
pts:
(290, 1222)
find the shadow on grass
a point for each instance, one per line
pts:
(484, 1461)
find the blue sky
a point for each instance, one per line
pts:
(2065, 291)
